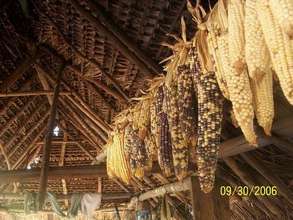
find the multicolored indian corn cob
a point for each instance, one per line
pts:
(163, 136)
(186, 106)
(179, 146)
(210, 115)
(136, 152)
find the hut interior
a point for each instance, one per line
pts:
(73, 73)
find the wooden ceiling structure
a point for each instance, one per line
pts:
(76, 64)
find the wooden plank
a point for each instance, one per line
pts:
(32, 93)
(239, 145)
(48, 139)
(202, 203)
(54, 173)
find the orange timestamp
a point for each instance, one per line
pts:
(248, 191)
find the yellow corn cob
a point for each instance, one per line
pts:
(259, 67)
(239, 91)
(236, 35)
(264, 101)
(212, 26)
(280, 47)
(283, 12)
(256, 52)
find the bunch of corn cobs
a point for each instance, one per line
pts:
(234, 53)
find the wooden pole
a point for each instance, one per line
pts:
(203, 206)
(54, 173)
(31, 93)
(48, 139)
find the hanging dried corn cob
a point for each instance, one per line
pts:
(213, 27)
(236, 35)
(238, 84)
(136, 152)
(283, 12)
(163, 136)
(259, 68)
(210, 114)
(280, 47)
(186, 106)
(179, 146)
(117, 163)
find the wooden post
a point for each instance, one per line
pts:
(48, 139)
(202, 203)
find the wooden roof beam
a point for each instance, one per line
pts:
(53, 173)
(79, 127)
(22, 126)
(3, 152)
(83, 106)
(118, 39)
(80, 122)
(32, 93)
(239, 144)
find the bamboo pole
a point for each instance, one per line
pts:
(31, 93)
(48, 139)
